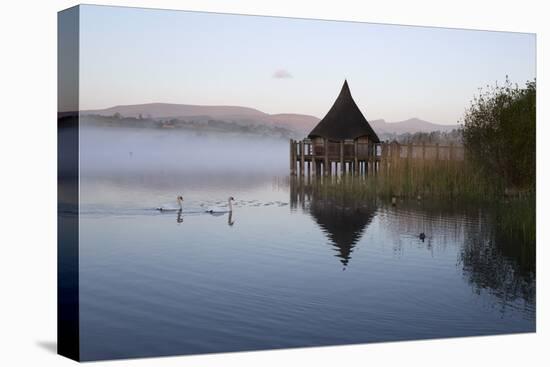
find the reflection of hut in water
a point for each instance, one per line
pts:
(343, 225)
(342, 219)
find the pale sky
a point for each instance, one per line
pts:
(284, 65)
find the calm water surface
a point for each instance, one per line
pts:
(289, 268)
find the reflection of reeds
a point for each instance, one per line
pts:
(501, 256)
(517, 223)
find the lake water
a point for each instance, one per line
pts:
(291, 267)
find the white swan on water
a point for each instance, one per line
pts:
(216, 209)
(179, 200)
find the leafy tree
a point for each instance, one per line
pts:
(499, 134)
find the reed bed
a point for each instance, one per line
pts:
(447, 180)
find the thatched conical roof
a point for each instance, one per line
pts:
(344, 120)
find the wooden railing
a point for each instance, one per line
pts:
(381, 151)
(357, 156)
(434, 152)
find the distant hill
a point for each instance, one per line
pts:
(301, 124)
(199, 126)
(412, 125)
(163, 110)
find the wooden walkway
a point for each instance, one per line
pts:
(362, 158)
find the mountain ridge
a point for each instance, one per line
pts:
(301, 123)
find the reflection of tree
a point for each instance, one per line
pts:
(500, 258)
(497, 245)
(340, 217)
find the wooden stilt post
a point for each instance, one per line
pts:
(292, 157)
(372, 165)
(301, 150)
(355, 159)
(326, 165)
(375, 153)
(342, 168)
(374, 158)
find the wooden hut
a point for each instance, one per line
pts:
(342, 142)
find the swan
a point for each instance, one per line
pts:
(179, 200)
(215, 209)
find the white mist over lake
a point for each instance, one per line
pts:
(131, 151)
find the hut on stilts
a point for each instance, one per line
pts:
(342, 142)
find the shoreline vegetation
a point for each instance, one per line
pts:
(498, 135)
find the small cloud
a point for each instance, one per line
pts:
(282, 74)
